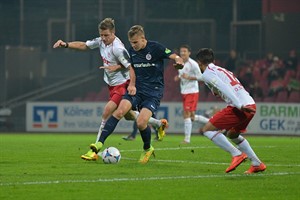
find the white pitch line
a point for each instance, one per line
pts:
(208, 163)
(146, 179)
(184, 148)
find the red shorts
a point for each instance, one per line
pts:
(190, 101)
(116, 92)
(232, 118)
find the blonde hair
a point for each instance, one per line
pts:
(136, 30)
(107, 24)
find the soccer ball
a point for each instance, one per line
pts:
(111, 155)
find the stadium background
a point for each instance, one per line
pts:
(30, 70)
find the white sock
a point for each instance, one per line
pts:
(220, 140)
(100, 129)
(187, 129)
(136, 114)
(201, 119)
(154, 122)
(245, 147)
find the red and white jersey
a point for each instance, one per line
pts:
(192, 69)
(223, 83)
(113, 54)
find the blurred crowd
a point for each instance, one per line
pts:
(271, 79)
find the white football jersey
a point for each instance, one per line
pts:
(192, 69)
(223, 83)
(113, 54)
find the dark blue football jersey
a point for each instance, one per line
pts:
(148, 64)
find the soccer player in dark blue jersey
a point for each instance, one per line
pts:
(147, 61)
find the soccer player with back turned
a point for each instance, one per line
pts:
(234, 118)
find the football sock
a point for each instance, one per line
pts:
(146, 137)
(135, 130)
(201, 119)
(100, 129)
(187, 129)
(154, 122)
(220, 140)
(109, 127)
(245, 147)
(136, 114)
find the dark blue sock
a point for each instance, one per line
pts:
(108, 128)
(135, 130)
(146, 136)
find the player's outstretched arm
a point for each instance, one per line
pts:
(72, 45)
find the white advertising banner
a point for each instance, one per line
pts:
(271, 118)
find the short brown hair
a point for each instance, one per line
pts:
(107, 23)
(185, 46)
(205, 56)
(136, 30)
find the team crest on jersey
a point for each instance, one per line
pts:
(148, 56)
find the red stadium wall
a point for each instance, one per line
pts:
(280, 6)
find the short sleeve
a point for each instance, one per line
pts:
(92, 44)
(164, 50)
(122, 56)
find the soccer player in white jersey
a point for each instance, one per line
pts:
(234, 118)
(189, 76)
(117, 69)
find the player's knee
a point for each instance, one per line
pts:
(232, 134)
(208, 127)
(141, 124)
(193, 117)
(106, 113)
(205, 128)
(119, 114)
(129, 116)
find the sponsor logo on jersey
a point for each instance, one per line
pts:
(144, 65)
(105, 61)
(45, 116)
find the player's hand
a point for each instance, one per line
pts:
(131, 89)
(176, 78)
(248, 109)
(178, 63)
(59, 44)
(112, 68)
(178, 66)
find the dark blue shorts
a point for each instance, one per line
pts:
(140, 101)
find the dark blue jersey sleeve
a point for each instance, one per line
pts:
(164, 51)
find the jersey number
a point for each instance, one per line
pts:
(233, 79)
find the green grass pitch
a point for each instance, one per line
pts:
(48, 166)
